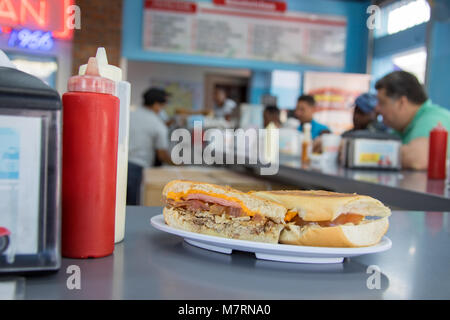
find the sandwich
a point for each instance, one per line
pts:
(222, 211)
(329, 219)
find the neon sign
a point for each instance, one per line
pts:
(34, 40)
(48, 15)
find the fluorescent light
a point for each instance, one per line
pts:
(408, 15)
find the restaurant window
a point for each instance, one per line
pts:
(402, 15)
(42, 67)
(413, 61)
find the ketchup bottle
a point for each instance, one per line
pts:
(90, 135)
(437, 153)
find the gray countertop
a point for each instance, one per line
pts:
(406, 189)
(150, 264)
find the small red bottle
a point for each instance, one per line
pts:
(437, 154)
(90, 136)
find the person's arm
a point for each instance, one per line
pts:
(164, 156)
(162, 146)
(415, 154)
(170, 122)
(324, 131)
(317, 142)
(317, 145)
(204, 112)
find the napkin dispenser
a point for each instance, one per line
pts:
(30, 173)
(363, 149)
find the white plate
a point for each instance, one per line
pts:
(268, 251)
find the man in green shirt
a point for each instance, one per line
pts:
(405, 107)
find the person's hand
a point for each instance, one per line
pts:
(317, 145)
(170, 122)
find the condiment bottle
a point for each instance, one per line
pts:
(90, 134)
(271, 143)
(437, 152)
(123, 92)
(306, 144)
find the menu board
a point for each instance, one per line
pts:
(221, 29)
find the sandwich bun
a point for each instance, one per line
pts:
(368, 233)
(319, 205)
(319, 211)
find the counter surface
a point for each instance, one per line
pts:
(406, 189)
(150, 264)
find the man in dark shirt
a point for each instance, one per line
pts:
(364, 115)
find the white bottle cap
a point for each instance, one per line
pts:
(307, 126)
(5, 62)
(106, 70)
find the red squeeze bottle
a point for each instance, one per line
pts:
(437, 154)
(90, 137)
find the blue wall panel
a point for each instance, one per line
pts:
(438, 83)
(409, 39)
(260, 83)
(438, 73)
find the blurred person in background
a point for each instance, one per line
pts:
(223, 106)
(365, 116)
(405, 107)
(305, 111)
(272, 115)
(149, 140)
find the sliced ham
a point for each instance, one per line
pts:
(211, 199)
(194, 205)
(216, 206)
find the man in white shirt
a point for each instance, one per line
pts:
(223, 107)
(149, 137)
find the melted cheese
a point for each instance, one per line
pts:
(177, 196)
(290, 215)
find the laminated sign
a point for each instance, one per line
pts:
(254, 30)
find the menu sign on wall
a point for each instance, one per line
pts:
(252, 29)
(335, 94)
